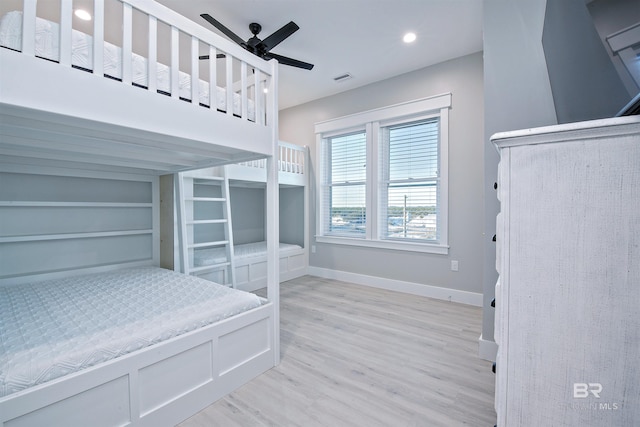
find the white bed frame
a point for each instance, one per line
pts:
(251, 272)
(79, 123)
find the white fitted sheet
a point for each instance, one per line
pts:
(210, 256)
(47, 46)
(53, 328)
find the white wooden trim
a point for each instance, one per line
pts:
(405, 109)
(624, 38)
(250, 272)
(487, 350)
(429, 248)
(430, 291)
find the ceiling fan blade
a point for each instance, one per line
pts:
(277, 37)
(227, 32)
(218, 56)
(288, 61)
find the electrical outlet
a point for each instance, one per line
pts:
(454, 265)
(313, 249)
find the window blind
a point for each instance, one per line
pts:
(345, 186)
(409, 181)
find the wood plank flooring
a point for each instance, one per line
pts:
(359, 356)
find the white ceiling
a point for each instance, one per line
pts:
(360, 37)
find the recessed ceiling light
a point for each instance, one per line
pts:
(409, 38)
(83, 14)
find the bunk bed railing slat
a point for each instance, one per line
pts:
(127, 43)
(259, 102)
(213, 72)
(29, 27)
(243, 90)
(98, 37)
(152, 66)
(195, 71)
(250, 90)
(175, 62)
(229, 84)
(66, 9)
(291, 158)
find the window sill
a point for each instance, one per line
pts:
(431, 248)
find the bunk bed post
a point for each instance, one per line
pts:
(179, 190)
(273, 220)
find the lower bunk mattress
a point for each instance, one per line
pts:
(211, 256)
(53, 328)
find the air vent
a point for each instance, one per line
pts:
(343, 77)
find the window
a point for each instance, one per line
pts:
(383, 177)
(409, 181)
(346, 185)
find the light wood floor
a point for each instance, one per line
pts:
(359, 356)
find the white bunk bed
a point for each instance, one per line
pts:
(250, 256)
(81, 157)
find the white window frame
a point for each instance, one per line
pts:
(371, 121)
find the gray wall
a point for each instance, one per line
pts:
(517, 95)
(611, 16)
(584, 81)
(292, 215)
(463, 78)
(247, 211)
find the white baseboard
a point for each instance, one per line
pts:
(446, 294)
(487, 350)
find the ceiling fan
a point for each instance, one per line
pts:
(261, 48)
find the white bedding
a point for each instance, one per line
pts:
(210, 256)
(47, 46)
(53, 328)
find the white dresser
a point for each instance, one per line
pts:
(568, 257)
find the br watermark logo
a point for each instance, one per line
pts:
(583, 390)
(593, 391)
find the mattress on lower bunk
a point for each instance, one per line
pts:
(47, 46)
(211, 256)
(53, 328)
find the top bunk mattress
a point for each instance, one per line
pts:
(47, 46)
(53, 328)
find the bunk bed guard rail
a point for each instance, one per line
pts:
(291, 158)
(244, 78)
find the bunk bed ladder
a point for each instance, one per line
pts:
(198, 210)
